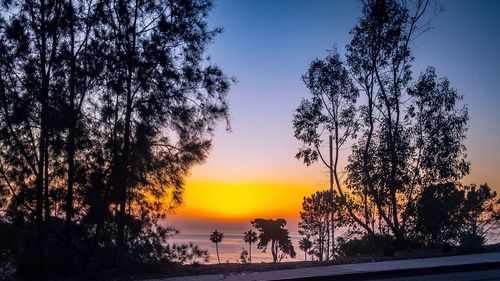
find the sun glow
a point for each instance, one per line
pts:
(241, 200)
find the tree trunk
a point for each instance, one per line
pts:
(126, 138)
(250, 251)
(46, 180)
(333, 238)
(41, 148)
(273, 250)
(217, 250)
(71, 143)
(332, 167)
(327, 234)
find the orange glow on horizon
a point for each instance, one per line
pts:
(234, 201)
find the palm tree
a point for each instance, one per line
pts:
(216, 237)
(305, 244)
(250, 237)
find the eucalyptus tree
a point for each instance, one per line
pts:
(411, 134)
(327, 117)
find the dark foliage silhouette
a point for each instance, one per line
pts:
(216, 237)
(328, 114)
(305, 245)
(438, 214)
(105, 107)
(318, 220)
(250, 237)
(273, 231)
(450, 214)
(406, 134)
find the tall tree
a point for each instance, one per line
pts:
(327, 118)
(162, 99)
(104, 108)
(250, 237)
(410, 134)
(83, 67)
(388, 162)
(273, 231)
(29, 74)
(216, 237)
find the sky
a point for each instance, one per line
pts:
(267, 45)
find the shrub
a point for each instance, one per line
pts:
(367, 245)
(471, 242)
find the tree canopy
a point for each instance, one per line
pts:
(405, 132)
(273, 231)
(105, 106)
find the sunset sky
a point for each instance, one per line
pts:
(251, 172)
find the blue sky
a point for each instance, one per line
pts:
(268, 45)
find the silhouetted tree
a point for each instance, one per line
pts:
(448, 213)
(480, 211)
(250, 237)
(104, 108)
(305, 245)
(163, 99)
(328, 114)
(216, 237)
(29, 80)
(438, 214)
(411, 135)
(316, 215)
(273, 231)
(244, 256)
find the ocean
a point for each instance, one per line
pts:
(231, 246)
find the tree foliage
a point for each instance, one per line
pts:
(305, 245)
(405, 133)
(216, 237)
(329, 110)
(273, 231)
(105, 108)
(327, 117)
(450, 214)
(480, 211)
(250, 237)
(315, 221)
(438, 214)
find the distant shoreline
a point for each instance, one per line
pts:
(175, 270)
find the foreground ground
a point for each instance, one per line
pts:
(402, 269)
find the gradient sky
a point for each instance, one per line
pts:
(267, 45)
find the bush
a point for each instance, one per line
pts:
(471, 242)
(368, 245)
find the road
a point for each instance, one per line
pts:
(484, 266)
(485, 275)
